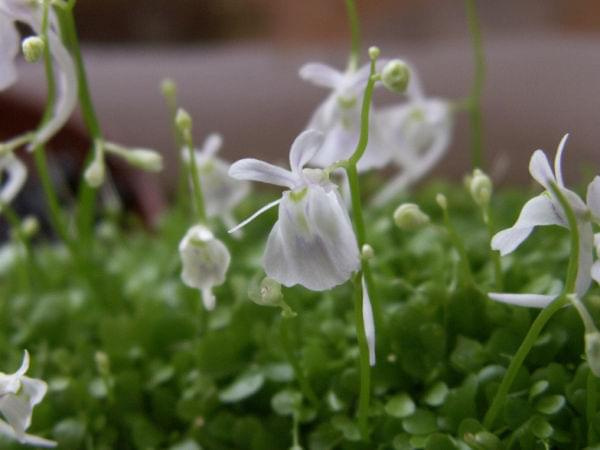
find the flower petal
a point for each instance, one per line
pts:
(9, 48)
(368, 322)
(593, 197)
(529, 300)
(595, 272)
(321, 75)
(256, 170)
(586, 258)
(558, 160)
(540, 169)
(28, 439)
(540, 210)
(212, 144)
(17, 412)
(304, 147)
(17, 174)
(312, 243)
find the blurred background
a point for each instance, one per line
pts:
(236, 64)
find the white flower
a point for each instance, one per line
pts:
(368, 322)
(545, 209)
(205, 262)
(339, 116)
(14, 172)
(30, 13)
(417, 134)
(18, 395)
(312, 243)
(221, 193)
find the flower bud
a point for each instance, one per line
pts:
(441, 200)
(367, 252)
(144, 159)
(409, 217)
(183, 121)
(168, 88)
(374, 52)
(592, 351)
(480, 187)
(30, 226)
(395, 76)
(33, 48)
(95, 172)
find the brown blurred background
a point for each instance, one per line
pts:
(236, 64)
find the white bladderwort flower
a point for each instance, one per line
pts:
(338, 117)
(312, 243)
(205, 262)
(545, 209)
(221, 192)
(15, 173)
(30, 13)
(18, 395)
(417, 133)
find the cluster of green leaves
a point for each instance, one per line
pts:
(132, 360)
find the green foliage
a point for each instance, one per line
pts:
(173, 376)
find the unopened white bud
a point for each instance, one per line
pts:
(95, 172)
(33, 48)
(367, 252)
(168, 88)
(374, 52)
(480, 187)
(409, 217)
(144, 159)
(183, 120)
(441, 200)
(592, 351)
(30, 226)
(395, 76)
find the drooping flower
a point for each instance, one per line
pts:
(205, 262)
(14, 172)
(545, 209)
(221, 192)
(18, 396)
(338, 117)
(30, 13)
(417, 134)
(312, 243)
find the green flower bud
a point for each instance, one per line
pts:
(30, 226)
(144, 159)
(441, 200)
(367, 252)
(183, 121)
(33, 48)
(95, 172)
(395, 76)
(480, 187)
(374, 52)
(409, 217)
(592, 351)
(168, 88)
(102, 363)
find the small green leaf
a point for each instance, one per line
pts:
(538, 388)
(347, 427)
(550, 404)
(400, 406)
(242, 387)
(286, 402)
(421, 422)
(468, 355)
(541, 428)
(436, 394)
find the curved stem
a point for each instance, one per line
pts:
(354, 59)
(475, 114)
(516, 362)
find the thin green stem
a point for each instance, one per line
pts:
(87, 195)
(475, 114)
(516, 362)
(494, 254)
(305, 387)
(458, 244)
(195, 176)
(363, 140)
(591, 406)
(544, 316)
(354, 59)
(365, 369)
